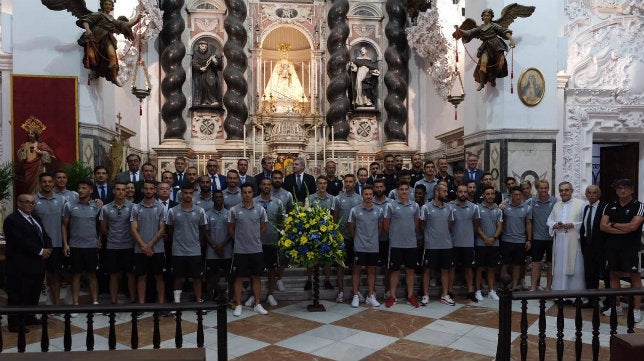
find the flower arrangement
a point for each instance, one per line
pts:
(310, 237)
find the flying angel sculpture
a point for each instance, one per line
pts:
(98, 41)
(492, 33)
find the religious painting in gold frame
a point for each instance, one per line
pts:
(531, 87)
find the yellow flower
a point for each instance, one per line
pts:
(287, 243)
(323, 228)
(292, 253)
(310, 255)
(303, 240)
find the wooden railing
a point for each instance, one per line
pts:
(506, 296)
(112, 310)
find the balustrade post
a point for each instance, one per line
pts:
(505, 319)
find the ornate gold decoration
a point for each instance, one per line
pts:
(33, 124)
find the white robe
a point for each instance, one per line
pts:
(567, 259)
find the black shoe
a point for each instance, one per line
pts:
(165, 314)
(471, 297)
(328, 285)
(32, 321)
(587, 304)
(307, 285)
(15, 329)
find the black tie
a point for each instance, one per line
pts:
(165, 203)
(589, 222)
(33, 223)
(102, 193)
(299, 181)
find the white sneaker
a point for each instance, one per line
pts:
(355, 302)
(259, 309)
(425, 300)
(608, 312)
(250, 301)
(280, 285)
(340, 298)
(177, 296)
(271, 300)
(478, 295)
(493, 296)
(372, 301)
(238, 310)
(637, 316)
(447, 300)
(361, 297)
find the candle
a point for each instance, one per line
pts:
(315, 147)
(332, 144)
(262, 143)
(254, 149)
(244, 140)
(323, 144)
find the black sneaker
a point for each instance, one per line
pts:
(472, 297)
(328, 285)
(307, 286)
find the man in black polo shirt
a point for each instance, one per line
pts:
(622, 220)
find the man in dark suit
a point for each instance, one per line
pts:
(179, 175)
(244, 177)
(102, 190)
(299, 183)
(133, 173)
(218, 181)
(472, 172)
(592, 239)
(267, 169)
(28, 247)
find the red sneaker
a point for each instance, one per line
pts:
(413, 301)
(390, 301)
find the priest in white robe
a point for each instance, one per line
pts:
(564, 223)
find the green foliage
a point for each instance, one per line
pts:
(7, 175)
(76, 172)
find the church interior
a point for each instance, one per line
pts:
(341, 80)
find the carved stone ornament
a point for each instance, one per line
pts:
(207, 24)
(286, 13)
(363, 30)
(206, 127)
(364, 129)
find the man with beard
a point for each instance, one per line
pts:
(334, 184)
(49, 207)
(381, 200)
(442, 175)
(401, 220)
(148, 227)
(436, 218)
(389, 173)
(344, 203)
(487, 181)
(232, 193)
(417, 171)
(487, 242)
(277, 178)
(542, 205)
(517, 234)
(219, 253)
(204, 199)
(466, 220)
(325, 200)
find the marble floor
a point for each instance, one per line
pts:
(466, 331)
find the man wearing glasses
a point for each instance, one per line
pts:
(28, 247)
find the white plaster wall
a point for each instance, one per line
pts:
(430, 112)
(537, 46)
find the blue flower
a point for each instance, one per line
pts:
(303, 249)
(315, 236)
(325, 248)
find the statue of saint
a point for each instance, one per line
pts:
(365, 85)
(206, 65)
(33, 155)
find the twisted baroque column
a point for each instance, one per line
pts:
(336, 69)
(397, 77)
(237, 87)
(171, 57)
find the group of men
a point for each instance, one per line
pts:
(215, 226)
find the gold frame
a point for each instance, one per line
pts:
(532, 100)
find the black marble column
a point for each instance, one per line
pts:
(171, 57)
(397, 77)
(237, 87)
(336, 69)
